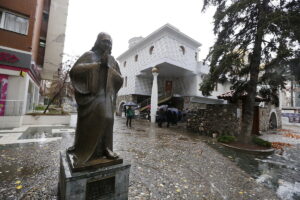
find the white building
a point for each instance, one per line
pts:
(176, 56)
(290, 97)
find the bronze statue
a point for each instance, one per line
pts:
(96, 79)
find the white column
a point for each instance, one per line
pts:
(154, 95)
(280, 98)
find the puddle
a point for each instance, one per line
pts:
(140, 130)
(42, 132)
(288, 190)
(183, 138)
(280, 173)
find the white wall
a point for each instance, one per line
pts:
(55, 37)
(186, 60)
(143, 86)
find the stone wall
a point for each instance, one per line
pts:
(194, 106)
(265, 114)
(216, 118)
(123, 98)
(226, 118)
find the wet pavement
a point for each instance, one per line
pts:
(279, 171)
(165, 164)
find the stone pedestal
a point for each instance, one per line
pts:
(109, 183)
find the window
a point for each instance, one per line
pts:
(196, 56)
(41, 53)
(42, 43)
(124, 64)
(182, 50)
(13, 22)
(125, 83)
(136, 58)
(151, 50)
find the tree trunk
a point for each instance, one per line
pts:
(292, 93)
(51, 101)
(58, 93)
(247, 120)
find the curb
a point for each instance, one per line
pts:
(266, 151)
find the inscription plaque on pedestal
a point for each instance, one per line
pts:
(100, 188)
(109, 182)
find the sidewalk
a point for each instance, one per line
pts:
(165, 164)
(280, 135)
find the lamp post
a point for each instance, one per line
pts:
(154, 95)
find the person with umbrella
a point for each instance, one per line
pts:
(129, 116)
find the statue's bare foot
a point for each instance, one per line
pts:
(71, 149)
(110, 154)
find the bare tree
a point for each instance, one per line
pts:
(61, 87)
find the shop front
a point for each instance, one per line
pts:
(16, 80)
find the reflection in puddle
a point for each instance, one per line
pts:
(44, 132)
(280, 173)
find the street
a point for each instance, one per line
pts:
(165, 164)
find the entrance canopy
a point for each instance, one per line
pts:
(167, 70)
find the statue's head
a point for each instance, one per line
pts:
(103, 43)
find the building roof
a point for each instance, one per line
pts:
(229, 96)
(166, 28)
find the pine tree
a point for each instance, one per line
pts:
(257, 41)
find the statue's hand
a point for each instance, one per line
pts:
(104, 59)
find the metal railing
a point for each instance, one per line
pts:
(161, 99)
(11, 107)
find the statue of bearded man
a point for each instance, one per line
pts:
(96, 79)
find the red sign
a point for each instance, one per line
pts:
(7, 57)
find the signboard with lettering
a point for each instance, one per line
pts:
(15, 58)
(7, 57)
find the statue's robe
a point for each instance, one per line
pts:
(96, 86)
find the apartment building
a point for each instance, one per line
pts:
(31, 37)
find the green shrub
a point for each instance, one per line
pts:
(261, 142)
(40, 107)
(226, 138)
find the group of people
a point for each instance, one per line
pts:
(164, 114)
(169, 115)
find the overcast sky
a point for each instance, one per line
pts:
(124, 19)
